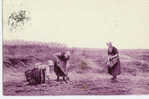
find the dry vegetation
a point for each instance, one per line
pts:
(87, 71)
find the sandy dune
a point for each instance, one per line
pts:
(88, 79)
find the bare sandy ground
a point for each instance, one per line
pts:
(89, 79)
(89, 84)
(86, 83)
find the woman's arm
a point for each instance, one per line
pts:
(114, 56)
(57, 55)
(115, 52)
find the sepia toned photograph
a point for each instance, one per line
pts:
(75, 47)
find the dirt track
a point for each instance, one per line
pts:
(99, 86)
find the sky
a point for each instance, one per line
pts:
(82, 23)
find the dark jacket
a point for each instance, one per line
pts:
(115, 69)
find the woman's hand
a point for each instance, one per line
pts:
(114, 56)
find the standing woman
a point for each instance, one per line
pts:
(113, 62)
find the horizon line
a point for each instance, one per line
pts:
(29, 42)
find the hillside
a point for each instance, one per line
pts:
(87, 71)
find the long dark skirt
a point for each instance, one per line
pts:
(115, 69)
(58, 71)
